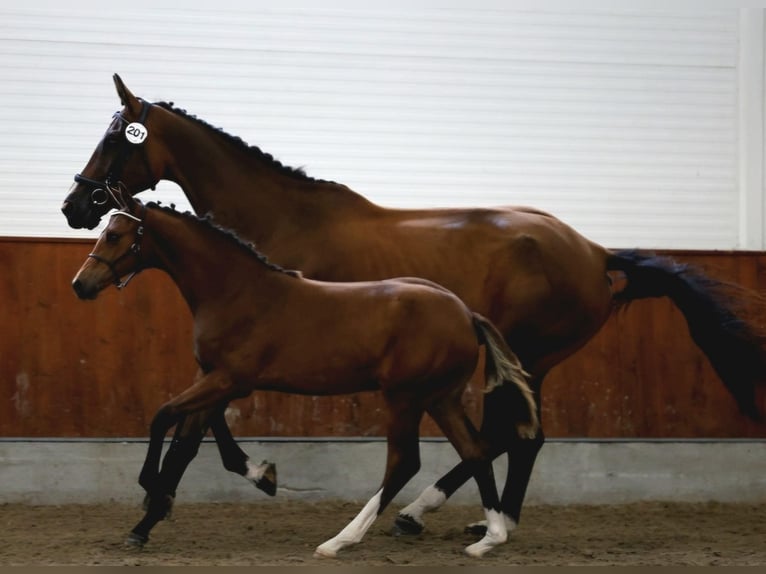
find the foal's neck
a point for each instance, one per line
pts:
(209, 266)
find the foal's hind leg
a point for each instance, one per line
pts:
(456, 426)
(502, 437)
(402, 463)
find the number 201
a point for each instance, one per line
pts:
(136, 132)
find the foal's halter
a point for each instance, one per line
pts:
(103, 191)
(134, 249)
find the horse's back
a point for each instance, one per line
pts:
(542, 283)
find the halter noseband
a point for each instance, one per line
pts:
(104, 190)
(134, 249)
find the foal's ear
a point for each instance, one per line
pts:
(126, 96)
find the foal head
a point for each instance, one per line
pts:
(121, 251)
(127, 156)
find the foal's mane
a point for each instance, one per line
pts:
(207, 222)
(242, 144)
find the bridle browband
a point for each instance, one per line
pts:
(134, 249)
(104, 190)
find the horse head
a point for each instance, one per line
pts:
(123, 158)
(120, 250)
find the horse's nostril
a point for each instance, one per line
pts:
(79, 288)
(66, 207)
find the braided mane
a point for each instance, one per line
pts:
(242, 144)
(231, 236)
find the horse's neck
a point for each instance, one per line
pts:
(248, 193)
(208, 267)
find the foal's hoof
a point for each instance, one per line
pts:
(405, 525)
(268, 482)
(135, 540)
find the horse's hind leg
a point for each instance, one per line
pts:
(456, 426)
(263, 476)
(402, 463)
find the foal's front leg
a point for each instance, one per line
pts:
(161, 489)
(210, 390)
(263, 476)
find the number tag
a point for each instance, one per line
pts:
(136, 133)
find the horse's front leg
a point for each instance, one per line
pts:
(234, 459)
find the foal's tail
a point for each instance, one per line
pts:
(502, 366)
(734, 348)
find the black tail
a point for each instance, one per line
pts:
(734, 348)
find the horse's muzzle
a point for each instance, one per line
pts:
(79, 218)
(83, 291)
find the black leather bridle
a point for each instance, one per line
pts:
(102, 191)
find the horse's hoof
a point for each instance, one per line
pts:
(268, 481)
(136, 540)
(405, 525)
(476, 528)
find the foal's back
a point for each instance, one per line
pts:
(334, 338)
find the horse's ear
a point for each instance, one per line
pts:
(126, 96)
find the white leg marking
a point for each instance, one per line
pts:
(510, 523)
(430, 499)
(496, 534)
(354, 530)
(255, 472)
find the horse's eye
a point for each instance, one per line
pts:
(112, 237)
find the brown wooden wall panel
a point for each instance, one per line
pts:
(101, 368)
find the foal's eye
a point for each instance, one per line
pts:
(112, 237)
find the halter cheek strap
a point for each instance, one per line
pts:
(134, 249)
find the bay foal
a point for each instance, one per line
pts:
(257, 326)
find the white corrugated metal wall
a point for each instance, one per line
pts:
(640, 127)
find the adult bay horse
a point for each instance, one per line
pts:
(257, 326)
(544, 285)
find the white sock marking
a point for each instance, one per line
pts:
(510, 523)
(354, 530)
(429, 500)
(496, 534)
(255, 473)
